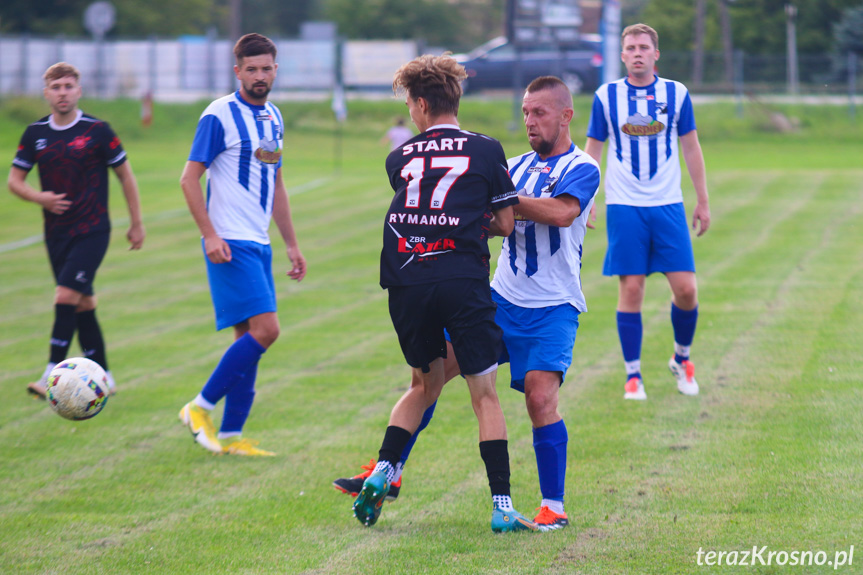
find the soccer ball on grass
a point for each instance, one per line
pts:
(77, 388)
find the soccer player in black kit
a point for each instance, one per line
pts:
(452, 191)
(73, 151)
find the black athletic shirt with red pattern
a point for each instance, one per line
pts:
(447, 182)
(74, 160)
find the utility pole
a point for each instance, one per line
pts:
(791, 33)
(698, 60)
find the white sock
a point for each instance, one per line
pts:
(203, 403)
(397, 472)
(502, 502)
(682, 350)
(387, 468)
(632, 366)
(227, 434)
(554, 505)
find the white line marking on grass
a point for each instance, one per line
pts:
(162, 216)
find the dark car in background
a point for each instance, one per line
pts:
(493, 65)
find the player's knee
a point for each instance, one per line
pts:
(540, 405)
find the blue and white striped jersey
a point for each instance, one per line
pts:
(540, 264)
(241, 146)
(642, 126)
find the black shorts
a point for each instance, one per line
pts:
(75, 260)
(461, 306)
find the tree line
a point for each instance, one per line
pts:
(754, 26)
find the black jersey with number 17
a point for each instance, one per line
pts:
(447, 182)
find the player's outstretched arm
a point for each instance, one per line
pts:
(694, 158)
(282, 217)
(136, 232)
(559, 211)
(54, 203)
(218, 251)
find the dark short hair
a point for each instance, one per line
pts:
(61, 70)
(253, 45)
(437, 79)
(637, 29)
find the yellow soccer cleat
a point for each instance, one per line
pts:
(240, 446)
(197, 419)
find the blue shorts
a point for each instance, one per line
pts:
(536, 339)
(243, 287)
(644, 240)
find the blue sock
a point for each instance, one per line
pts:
(238, 403)
(630, 330)
(684, 323)
(549, 444)
(238, 359)
(423, 424)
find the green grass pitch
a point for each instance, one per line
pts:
(767, 455)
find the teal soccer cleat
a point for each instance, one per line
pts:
(367, 507)
(506, 521)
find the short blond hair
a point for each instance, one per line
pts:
(61, 70)
(637, 29)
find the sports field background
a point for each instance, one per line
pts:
(767, 455)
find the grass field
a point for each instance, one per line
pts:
(768, 455)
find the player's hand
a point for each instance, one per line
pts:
(54, 203)
(136, 235)
(701, 219)
(217, 250)
(591, 217)
(298, 265)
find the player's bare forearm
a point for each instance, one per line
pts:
(218, 251)
(502, 222)
(190, 182)
(50, 201)
(559, 211)
(593, 148)
(694, 158)
(136, 233)
(285, 224)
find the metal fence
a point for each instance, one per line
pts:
(191, 68)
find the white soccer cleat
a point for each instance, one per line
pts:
(634, 389)
(684, 373)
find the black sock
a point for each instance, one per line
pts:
(62, 332)
(395, 440)
(496, 457)
(90, 338)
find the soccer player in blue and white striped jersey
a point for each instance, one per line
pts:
(238, 144)
(645, 118)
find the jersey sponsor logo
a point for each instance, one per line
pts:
(422, 248)
(268, 152)
(115, 143)
(41, 144)
(641, 125)
(264, 117)
(79, 143)
(539, 170)
(637, 97)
